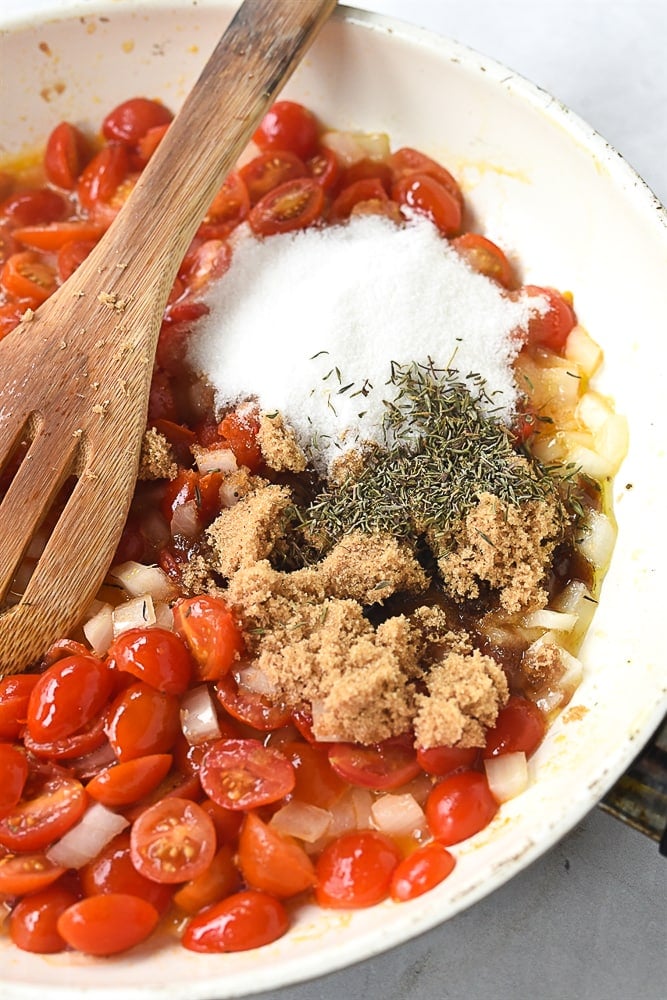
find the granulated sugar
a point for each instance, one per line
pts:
(308, 322)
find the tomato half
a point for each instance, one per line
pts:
(316, 780)
(33, 925)
(210, 632)
(107, 924)
(248, 706)
(239, 430)
(293, 205)
(384, 765)
(27, 276)
(407, 161)
(38, 205)
(156, 656)
(66, 153)
(220, 879)
(72, 255)
(13, 776)
(444, 760)
(484, 256)
(359, 192)
(271, 862)
(355, 870)
(420, 871)
(244, 774)
(122, 784)
(426, 196)
(55, 235)
(143, 721)
(460, 806)
(520, 726)
(68, 696)
(268, 171)
(243, 921)
(52, 803)
(552, 328)
(21, 874)
(102, 177)
(288, 125)
(131, 120)
(14, 698)
(172, 841)
(112, 871)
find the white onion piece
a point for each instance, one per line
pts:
(253, 678)
(555, 621)
(98, 630)
(322, 736)
(185, 520)
(301, 820)
(199, 719)
(507, 775)
(84, 841)
(5, 911)
(215, 460)
(597, 539)
(581, 347)
(343, 816)
(137, 579)
(351, 147)
(137, 613)
(397, 815)
(362, 803)
(164, 616)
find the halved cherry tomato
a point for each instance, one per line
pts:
(147, 145)
(112, 871)
(444, 760)
(54, 235)
(102, 177)
(33, 921)
(27, 276)
(122, 784)
(14, 698)
(520, 726)
(205, 262)
(552, 328)
(244, 774)
(407, 161)
(232, 202)
(71, 255)
(13, 776)
(131, 120)
(52, 803)
(208, 628)
(107, 924)
(291, 206)
(484, 256)
(269, 171)
(355, 870)
(38, 205)
(316, 781)
(248, 706)
(388, 764)
(11, 314)
(156, 656)
(368, 169)
(220, 879)
(239, 430)
(67, 697)
(271, 862)
(359, 192)
(324, 168)
(21, 874)
(227, 822)
(67, 150)
(426, 196)
(191, 486)
(459, 806)
(142, 721)
(172, 841)
(288, 125)
(420, 871)
(243, 921)
(82, 742)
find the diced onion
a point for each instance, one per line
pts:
(253, 678)
(587, 459)
(507, 775)
(302, 820)
(215, 460)
(137, 579)
(397, 815)
(564, 686)
(98, 630)
(137, 613)
(164, 616)
(229, 493)
(199, 719)
(593, 410)
(612, 440)
(556, 621)
(343, 816)
(581, 347)
(362, 802)
(351, 147)
(84, 841)
(185, 520)
(597, 539)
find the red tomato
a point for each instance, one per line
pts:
(143, 721)
(271, 862)
(520, 726)
(422, 194)
(552, 328)
(11, 314)
(107, 924)
(52, 803)
(459, 806)
(81, 743)
(67, 697)
(207, 627)
(288, 125)
(122, 784)
(147, 145)
(388, 764)
(131, 120)
(444, 760)
(54, 235)
(243, 921)
(27, 276)
(227, 822)
(21, 874)
(112, 871)
(14, 698)
(420, 871)
(316, 781)
(239, 429)
(172, 841)
(102, 177)
(38, 205)
(244, 774)
(220, 879)
(71, 255)
(13, 776)
(156, 656)
(33, 921)
(484, 256)
(324, 168)
(407, 161)
(368, 169)
(190, 486)
(369, 189)
(204, 262)
(250, 707)
(232, 202)
(355, 870)
(66, 153)
(268, 171)
(293, 205)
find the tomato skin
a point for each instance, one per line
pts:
(250, 707)
(172, 841)
(39, 205)
(487, 258)
(364, 190)
(227, 822)
(107, 924)
(388, 764)
(268, 171)
(102, 177)
(13, 776)
(130, 121)
(112, 871)
(324, 168)
(71, 255)
(66, 153)
(232, 202)
(142, 721)
(271, 862)
(156, 656)
(422, 194)
(355, 870)
(407, 161)
(244, 774)
(81, 743)
(208, 628)
(288, 125)
(53, 802)
(444, 760)
(193, 487)
(33, 924)
(460, 806)
(316, 781)
(239, 430)
(55, 235)
(21, 874)
(27, 276)
(122, 784)
(420, 871)
(67, 696)
(14, 698)
(220, 879)
(241, 922)
(520, 726)
(291, 206)
(552, 329)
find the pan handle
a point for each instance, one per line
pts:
(639, 797)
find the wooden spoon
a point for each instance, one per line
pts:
(77, 372)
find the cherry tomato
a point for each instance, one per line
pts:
(122, 784)
(552, 328)
(207, 627)
(316, 780)
(388, 764)
(13, 776)
(33, 921)
(107, 924)
(239, 430)
(355, 870)
(102, 177)
(11, 314)
(444, 760)
(38, 205)
(205, 262)
(268, 171)
(484, 256)
(293, 205)
(172, 841)
(131, 120)
(422, 194)
(288, 125)
(271, 862)
(54, 235)
(71, 255)
(52, 803)
(27, 276)
(407, 161)
(147, 145)
(244, 774)
(21, 874)
(86, 740)
(460, 806)
(324, 168)
(67, 697)
(112, 871)
(143, 721)
(66, 153)
(232, 202)
(220, 879)
(156, 656)
(14, 698)
(420, 871)
(520, 726)
(359, 192)
(227, 822)
(368, 169)
(243, 921)
(194, 487)
(248, 706)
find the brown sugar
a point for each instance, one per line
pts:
(157, 458)
(370, 568)
(247, 532)
(279, 445)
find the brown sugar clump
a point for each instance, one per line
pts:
(247, 532)
(370, 568)
(157, 458)
(507, 546)
(279, 445)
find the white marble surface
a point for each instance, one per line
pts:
(589, 920)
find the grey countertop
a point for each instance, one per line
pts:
(588, 921)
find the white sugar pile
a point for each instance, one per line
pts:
(300, 317)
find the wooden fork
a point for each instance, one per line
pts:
(76, 373)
